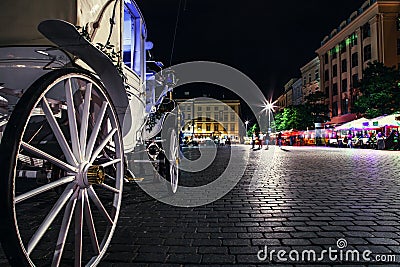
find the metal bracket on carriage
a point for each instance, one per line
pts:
(66, 36)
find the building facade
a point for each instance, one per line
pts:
(298, 92)
(370, 33)
(208, 118)
(289, 92)
(310, 75)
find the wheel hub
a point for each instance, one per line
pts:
(95, 175)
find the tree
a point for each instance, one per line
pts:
(292, 117)
(253, 129)
(317, 109)
(380, 91)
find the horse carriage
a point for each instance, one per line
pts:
(75, 96)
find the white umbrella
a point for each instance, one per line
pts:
(360, 123)
(389, 120)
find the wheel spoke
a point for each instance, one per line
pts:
(110, 188)
(106, 164)
(66, 222)
(58, 133)
(90, 224)
(50, 218)
(110, 177)
(102, 145)
(48, 157)
(44, 188)
(95, 132)
(79, 228)
(93, 196)
(73, 127)
(85, 119)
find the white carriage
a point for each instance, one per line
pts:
(73, 103)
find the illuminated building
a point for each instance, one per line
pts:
(210, 118)
(310, 78)
(370, 33)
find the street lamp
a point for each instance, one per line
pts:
(270, 107)
(246, 123)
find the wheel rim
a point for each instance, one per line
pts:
(73, 116)
(174, 161)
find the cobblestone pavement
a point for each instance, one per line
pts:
(306, 198)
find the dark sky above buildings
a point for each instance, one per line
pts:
(267, 40)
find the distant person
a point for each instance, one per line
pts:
(260, 140)
(253, 141)
(280, 139)
(267, 140)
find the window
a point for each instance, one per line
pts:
(129, 37)
(225, 107)
(232, 116)
(208, 108)
(225, 117)
(215, 108)
(345, 106)
(344, 65)
(188, 108)
(198, 108)
(334, 109)
(326, 58)
(309, 78)
(367, 52)
(354, 60)
(327, 91)
(334, 70)
(208, 127)
(216, 128)
(208, 116)
(199, 126)
(232, 127)
(189, 116)
(216, 117)
(343, 46)
(317, 74)
(366, 30)
(398, 46)
(334, 52)
(304, 80)
(200, 116)
(398, 23)
(334, 89)
(354, 79)
(353, 40)
(344, 85)
(326, 75)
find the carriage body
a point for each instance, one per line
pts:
(74, 101)
(22, 62)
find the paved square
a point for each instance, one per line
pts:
(307, 198)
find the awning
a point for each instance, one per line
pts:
(389, 121)
(342, 119)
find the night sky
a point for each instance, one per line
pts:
(267, 40)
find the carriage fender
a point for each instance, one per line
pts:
(66, 37)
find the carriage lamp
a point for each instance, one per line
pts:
(96, 174)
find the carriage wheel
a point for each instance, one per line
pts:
(173, 158)
(64, 121)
